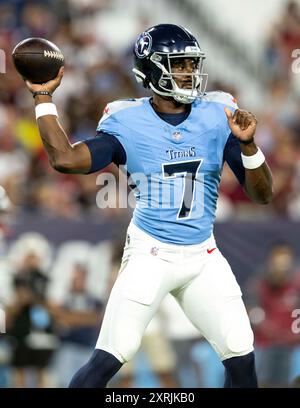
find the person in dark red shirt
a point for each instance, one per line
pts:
(277, 294)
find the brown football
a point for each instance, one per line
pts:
(37, 59)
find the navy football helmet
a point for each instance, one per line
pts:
(154, 50)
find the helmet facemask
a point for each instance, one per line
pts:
(164, 83)
(167, 85)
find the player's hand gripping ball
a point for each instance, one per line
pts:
(37, 60)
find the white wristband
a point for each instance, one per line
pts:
(43, 109)
(254, 161)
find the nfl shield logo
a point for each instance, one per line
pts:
(177, 136)
(154, 251)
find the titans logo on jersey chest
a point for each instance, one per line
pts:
(177, 154)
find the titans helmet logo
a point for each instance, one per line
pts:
(143, 45)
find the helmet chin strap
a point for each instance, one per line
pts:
(186, 99)
(183, 95)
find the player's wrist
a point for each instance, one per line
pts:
(42, 98)
(248, 149)
(247, 142)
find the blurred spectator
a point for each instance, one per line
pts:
(274, 296)
(284, 38)
(29, 324)
(78, 321)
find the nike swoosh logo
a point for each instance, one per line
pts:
(209, 251)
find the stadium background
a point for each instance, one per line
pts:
(59, 252)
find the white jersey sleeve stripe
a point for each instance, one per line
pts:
(117, 106)
(221, 97)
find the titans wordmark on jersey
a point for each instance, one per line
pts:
(176, 168)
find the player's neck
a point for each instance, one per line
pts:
(167, 105)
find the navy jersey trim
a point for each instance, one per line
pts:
(174, 119)
(232, 155)
(105, 149)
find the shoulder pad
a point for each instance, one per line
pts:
(117, 106)
(221, 97)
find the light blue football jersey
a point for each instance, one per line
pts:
(176, 169)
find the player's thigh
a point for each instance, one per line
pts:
(213, 302)
(135, 297)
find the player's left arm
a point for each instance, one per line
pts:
(258, 181)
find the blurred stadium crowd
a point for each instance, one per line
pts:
(53, 307)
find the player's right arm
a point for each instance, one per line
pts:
(82, 157)
(63, 156)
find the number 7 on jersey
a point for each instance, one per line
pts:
(189, 170)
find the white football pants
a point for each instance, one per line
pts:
(200, 279)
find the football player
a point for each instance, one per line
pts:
(178, 140)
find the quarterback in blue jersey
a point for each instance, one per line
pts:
(173, 145)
